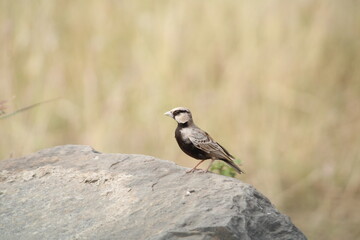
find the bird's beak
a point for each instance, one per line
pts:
(169, 113)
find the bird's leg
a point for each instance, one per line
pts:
(194, 168)
(212, 161)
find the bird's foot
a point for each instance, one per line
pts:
(195, 170)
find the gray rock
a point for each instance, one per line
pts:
(75, 192)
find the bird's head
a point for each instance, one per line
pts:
(180, 114)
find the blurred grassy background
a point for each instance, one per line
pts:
(276, 82)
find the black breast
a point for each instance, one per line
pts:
(188, 147)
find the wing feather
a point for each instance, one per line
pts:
(204, 142)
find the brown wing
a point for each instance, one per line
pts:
(204, 142)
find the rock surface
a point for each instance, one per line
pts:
(75, 192)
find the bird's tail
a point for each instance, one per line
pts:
(233, 164)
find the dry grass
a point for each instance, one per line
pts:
(276, 82)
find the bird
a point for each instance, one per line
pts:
(197, 143)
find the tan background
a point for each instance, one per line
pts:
(276, 82)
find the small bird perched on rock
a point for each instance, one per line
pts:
(197, 143)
